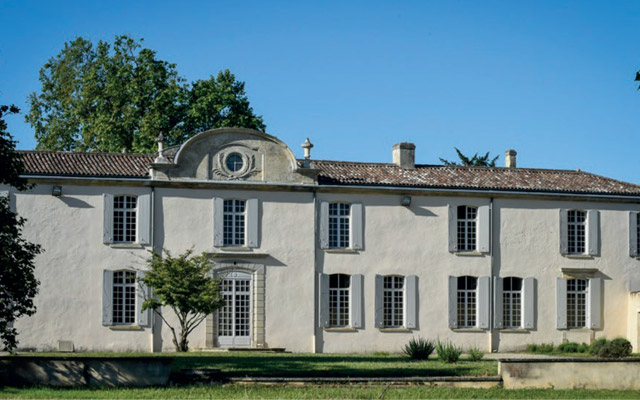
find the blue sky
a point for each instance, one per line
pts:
(551, 79)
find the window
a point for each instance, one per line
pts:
(234, 162)
(467, 222)
(124, 297)
(466, 300)
(512, 302)
(576, 231)
(339, 214)
(124, 219)
(393, 301)
(234, 222)
(339, 285)
(577, 291)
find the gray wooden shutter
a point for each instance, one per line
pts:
(324, 224)
(218, 221)
(484, 302)
(144, 218)
(107, 297)
(528, 303)
(379, 303)
(633, 234)
(595, 296)
(107, 225)
(484, 229)
(253, 223)
(564, 233)
(593, 236)
(561, 303)
(497, 303)
(356, 301)
(357, 226)
(453, 229)
(410, 302)
(324, 300)
(142, 293)
(453, 302)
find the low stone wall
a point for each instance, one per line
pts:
(84, 371)
(570, 373)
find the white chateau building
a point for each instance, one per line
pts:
(329, 256)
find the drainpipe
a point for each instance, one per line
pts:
(153, 233)
(493, 332)
(316, 304)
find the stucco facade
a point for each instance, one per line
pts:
(285, 261)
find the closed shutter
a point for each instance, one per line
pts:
(379, 302)
(453, 302)
(595, 299)
(561, 303)
(107, 224)
(357, 226)
(218, 222)
(410, 302)
(484, 302)
(564, 232)
(593, 237)
(253, 223)
(633, 234)
(142, 294)
(497, 303)
(528, 303)
(356, 301)
(324, 225)
(453, 229)
(484, 229)
(107, 297)
(324, 300)
(144, 219)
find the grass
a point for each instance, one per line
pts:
(311, 392)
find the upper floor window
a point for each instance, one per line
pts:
(124, 219)
(467, 225)
(634, 234)
(339, 224)
(393, 301)
(577, 295)
(512, 302)
(124, 297)
(576, 231)
(466, 301)
(339, 288)
(234, 222)
(470, 228)
(579, 232)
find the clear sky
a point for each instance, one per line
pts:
(551, 79)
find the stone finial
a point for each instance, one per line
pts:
(510, 158)
(307, 146)
(161, 159)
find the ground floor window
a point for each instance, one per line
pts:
(512, 302)
(577, 295)
(393, 301)
(339, 286)
(466, 311)
(124, 297)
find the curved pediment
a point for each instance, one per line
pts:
(232, 154)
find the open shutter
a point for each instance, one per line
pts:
(453, 301)
(410, 302)
(144, 218)
(218, 221)
(497, 303)
(253, 223)
(107, 225)
(324, 224)
(107, 297)
(595, 298)
(379, 303)
(593, 236)
(564, 233)
(324, 300)
(484, 229)
(528, 303)
(357, 226)
(356, 301)
(453, 229)
(633, 234)
(484, 302)
(142, 294)
(561, 303)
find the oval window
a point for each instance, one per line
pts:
(235, 162)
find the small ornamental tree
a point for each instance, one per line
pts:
(475, 161)
(183, 284)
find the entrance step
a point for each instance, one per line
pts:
(258, 350)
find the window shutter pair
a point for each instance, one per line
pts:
(410, 302)
(594, 301)
(356, 301)
(528, 303)
(252, 222)
(483, 305)
(483, 229)
(633, 234)
(592, 232)
(143, 292)
(143, 219)
(357, 226)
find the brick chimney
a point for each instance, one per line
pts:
(510, 158)
(404, 155)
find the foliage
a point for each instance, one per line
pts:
(544, 348)
(616, 348)
(183, 284)
(573, 347)
(419, 349)
(475, 161)
(119, 96)
(447, 351)
(475, 354)
(596, 346)
(18, 284)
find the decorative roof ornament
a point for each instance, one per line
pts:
(307, 146)
(160, 159)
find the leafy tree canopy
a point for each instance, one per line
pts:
(120, 97)
(475, 161)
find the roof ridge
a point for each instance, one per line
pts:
(65, 152)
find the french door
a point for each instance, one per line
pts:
(234, 319)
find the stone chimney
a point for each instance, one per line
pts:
(404, 155)
(510, 158)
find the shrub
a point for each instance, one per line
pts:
(448, 351)
(475, 354)
(419, 349)
(594, 348)
(544, 348)
(569, 347)
(617, 348)
(583, 348)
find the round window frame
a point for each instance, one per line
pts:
(244, 159)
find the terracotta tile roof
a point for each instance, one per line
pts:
(63, 163)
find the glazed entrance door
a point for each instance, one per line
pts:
(234, 319)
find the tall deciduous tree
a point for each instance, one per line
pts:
(474, 161)
(18, 284)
